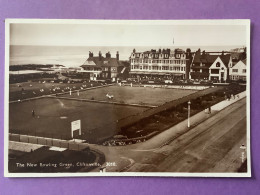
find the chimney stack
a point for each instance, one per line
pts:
(90, 54)
(100, 55)
(108, 55)
(117, 55)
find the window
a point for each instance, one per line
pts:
(165, 68)
(234, 70)
(149, 67)
(214, 71)
(244, 71)
(217, 64)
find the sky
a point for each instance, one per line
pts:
(126, 34)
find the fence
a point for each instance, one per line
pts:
(48, 142)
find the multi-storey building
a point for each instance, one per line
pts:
(210, 67)
(238, 71)
(162, 63)
(99, 67)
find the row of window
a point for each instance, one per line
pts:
(136, 67)
(145, 61)
(236, 70)
(236, 77)
(156, 55)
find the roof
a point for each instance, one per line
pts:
(208, 59)
(97, 61)
(225, 59)
(244, 61)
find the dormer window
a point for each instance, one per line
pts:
(166, 55)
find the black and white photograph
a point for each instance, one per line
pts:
(127, 98)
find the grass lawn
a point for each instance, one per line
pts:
(32, 89)
(53, 118)
(133, 95)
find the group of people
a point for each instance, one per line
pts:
(230, 96)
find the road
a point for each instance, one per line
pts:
(211, 146)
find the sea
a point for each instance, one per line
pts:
(74, 56)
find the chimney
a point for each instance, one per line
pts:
(90, 54)
(108, 55)
(133, 50)
(100, 55)
(222, 53)
(117, 55)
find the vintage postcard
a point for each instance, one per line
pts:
(127, 98)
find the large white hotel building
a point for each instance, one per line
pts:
(162, 63)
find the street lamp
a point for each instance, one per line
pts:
(189, 103)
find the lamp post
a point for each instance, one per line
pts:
(189, 103)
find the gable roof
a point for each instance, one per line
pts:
(225, 59)
(204, 58)
(102, 62)
(244, 61)
(208, 59)
(240, 61)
